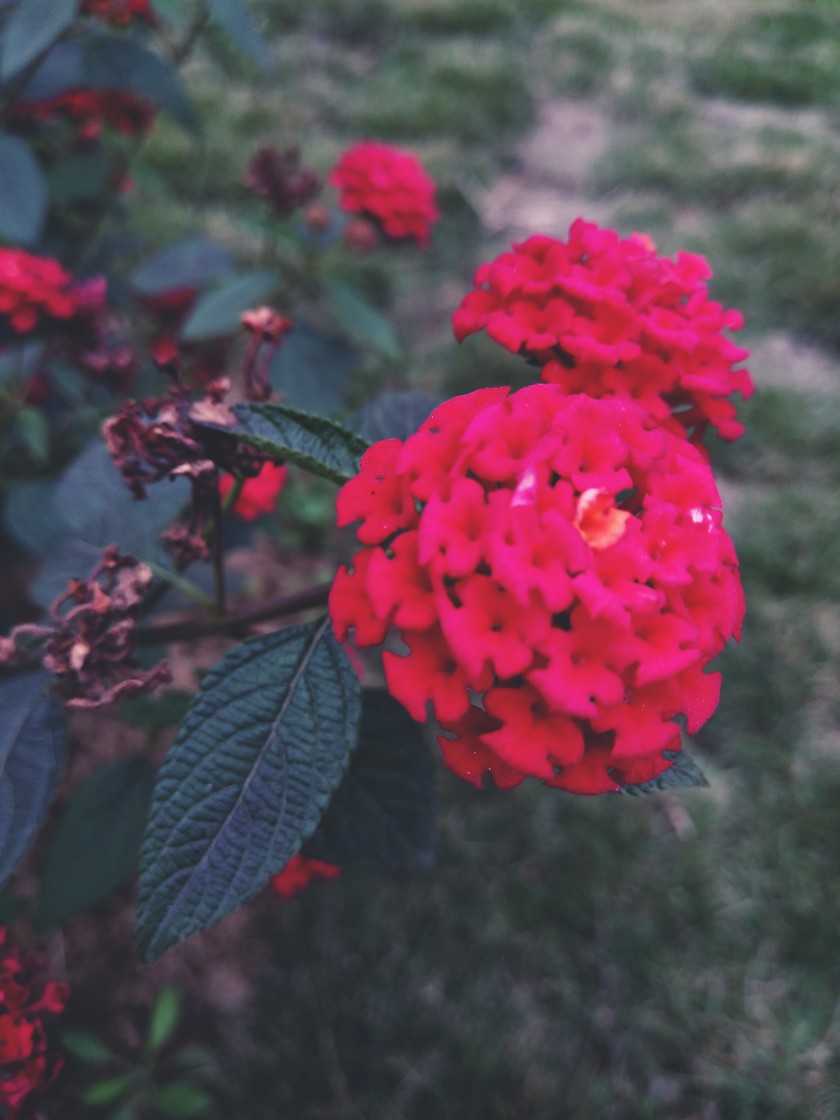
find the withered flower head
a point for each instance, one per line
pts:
(278, 177)
(90, 644)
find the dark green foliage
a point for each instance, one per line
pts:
(395, 414)
(234, 19)
(683, 773)
(32, 27)
(255, 762)
(362, 320)
(319, 445)
(217, 312)
(97, 842)
(32, 745)
(87, 509)
(126, 63)
(382, 816)
(189, 264)
(23, 192)
(311, 369)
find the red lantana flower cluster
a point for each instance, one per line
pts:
(37, 292)
(558, 571)
(606, 316)
(90, 110)
(299, 873)
(259, 494)
(388, 185)
(121, 12)
(27, 1066)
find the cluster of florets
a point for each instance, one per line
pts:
(89, 111)
(299, 873)
(121, 12)
(558, 572)
(606, 316)
(390, 186)
(280, 178)
(89, 642)
(27, 1065)
(36, 292)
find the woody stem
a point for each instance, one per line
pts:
(237, 621)
(217, 546)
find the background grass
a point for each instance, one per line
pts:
(633, 959)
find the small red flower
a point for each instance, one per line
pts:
(121, 12)
(389, 185)
(558, 572)
(259, 494)
(27, 1065)
(608, 317)
(299, 873)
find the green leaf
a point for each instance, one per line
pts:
(395, 414)
(79, 178)
(32, 745)
(32, 517)
(10, 907)
(106, 1092)
(683, 774)
(166, 1014)
(34, 432)
(252, 769)
(362, 320)
(86, 1046)
(234, 20)
(155, 713)
(218, 312)
(312, 369)
(383, 813)
(32, 28)
(96, 844)
(177, 13)
(91, 507)
(189, 264)
(23, 192)
(182, 1099)
(124, 62)
(126, 1111)
(319, 445)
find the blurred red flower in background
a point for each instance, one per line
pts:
(389, 185)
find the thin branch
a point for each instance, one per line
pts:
(217, 549)
(237, 621)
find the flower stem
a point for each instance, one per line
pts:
(217, 547)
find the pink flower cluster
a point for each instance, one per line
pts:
(37, 292)
(27, 1066)
(558, 572)
(388, 185)
(606, 316)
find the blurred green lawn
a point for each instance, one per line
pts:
(614, 958)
